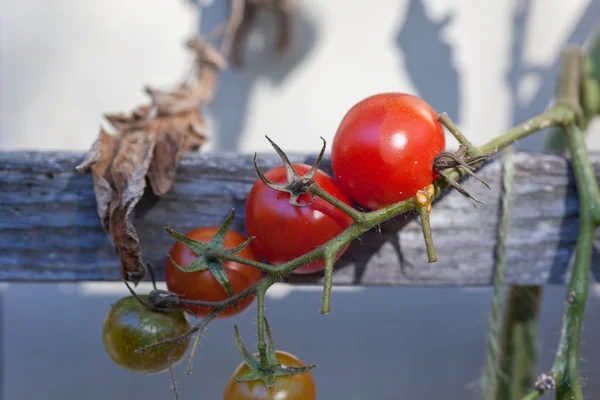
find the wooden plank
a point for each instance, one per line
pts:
(49, 229)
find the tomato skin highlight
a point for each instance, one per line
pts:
(202, 285)
(284, 232)
(129, 325)
(384, 148)
(293, 387)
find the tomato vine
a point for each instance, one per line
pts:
(565, 113)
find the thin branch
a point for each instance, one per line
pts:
(200, 328)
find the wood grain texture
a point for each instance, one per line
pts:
(50, 231)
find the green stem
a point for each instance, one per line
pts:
(493, 373)
(519, 349)
(426, 227)
(566, 113)
(556, 115)
(328, 283)
(534, 394)
(569, 81)
(566, 365)
(260, 315)
(353, 213)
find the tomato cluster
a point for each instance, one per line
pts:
(383, 152)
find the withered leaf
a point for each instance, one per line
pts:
(179, 133)
(99, 160)
(147, 146)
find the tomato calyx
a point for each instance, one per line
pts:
(210, 255)
(296, 185)
(265, 367)
(460, 159)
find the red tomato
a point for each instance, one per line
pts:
(284, 232)
(384, 149)
(291, 387)
(202, 285)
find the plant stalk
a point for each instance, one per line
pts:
(566, 365)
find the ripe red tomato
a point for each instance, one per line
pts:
(129, 326)
(202, 285)
(384, 148)
(291, 387)
(284, 232)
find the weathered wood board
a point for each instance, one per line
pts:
(49, 229)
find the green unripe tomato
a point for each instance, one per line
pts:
(129, 325)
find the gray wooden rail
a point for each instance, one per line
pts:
(49, 229)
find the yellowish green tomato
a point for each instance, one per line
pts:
(129, 325)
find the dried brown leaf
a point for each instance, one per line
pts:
(130, 165)
(207, 54)
(147, 147)
(128, 172)
(98, 161)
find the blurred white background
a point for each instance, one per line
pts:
(489, 65)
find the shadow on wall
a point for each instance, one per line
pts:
(547, 75)
(427, 56)
(231, 105)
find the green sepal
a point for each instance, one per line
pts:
(217, 269)
(196, 246)
(241, 247)
(199, 264)
(219, 238)
(268, 377)
(270, 344)
(255, 375)
(248, 358)
(285, 370)
(274, 369)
